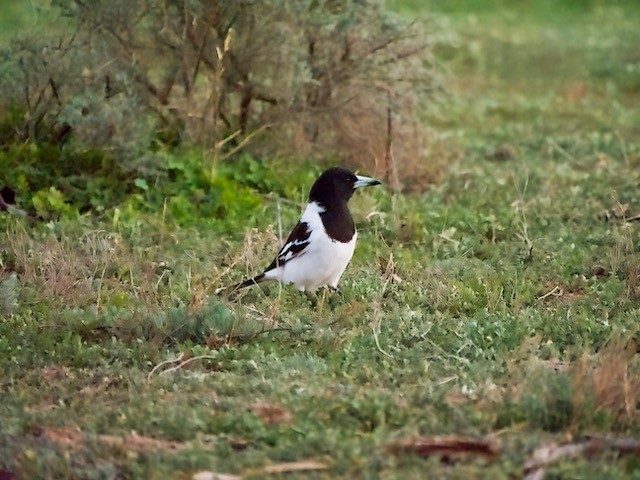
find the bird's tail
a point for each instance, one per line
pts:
(252, 281)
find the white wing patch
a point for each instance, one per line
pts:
(290, 250)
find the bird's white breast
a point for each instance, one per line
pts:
(323, 260)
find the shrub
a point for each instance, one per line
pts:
(324, 77)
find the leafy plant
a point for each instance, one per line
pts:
(51, 204)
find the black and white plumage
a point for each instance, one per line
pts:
(321, 245)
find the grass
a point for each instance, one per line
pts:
(499, 304)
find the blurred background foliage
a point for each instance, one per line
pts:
(109, 94)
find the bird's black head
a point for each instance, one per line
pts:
(336, 186)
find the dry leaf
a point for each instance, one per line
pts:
(272, 414)
(301, 466)
(426, 447)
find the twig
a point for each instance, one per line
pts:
(552, 292)
(187, 362)
(375, 337)
(244, 142)
(166, 362)
(199, 57)
(557, 147)
(227, 139)
(100, 288)
(276, 198)
(389, 161)
(160, 279)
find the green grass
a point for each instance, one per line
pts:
(496, 304)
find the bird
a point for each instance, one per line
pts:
(322, 243)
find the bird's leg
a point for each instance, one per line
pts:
(312, 298)
(336, 291)
(337, 296)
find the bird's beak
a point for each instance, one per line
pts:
(365, 182)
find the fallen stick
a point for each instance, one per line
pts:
(426, 447)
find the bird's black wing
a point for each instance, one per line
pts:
(294, 246)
